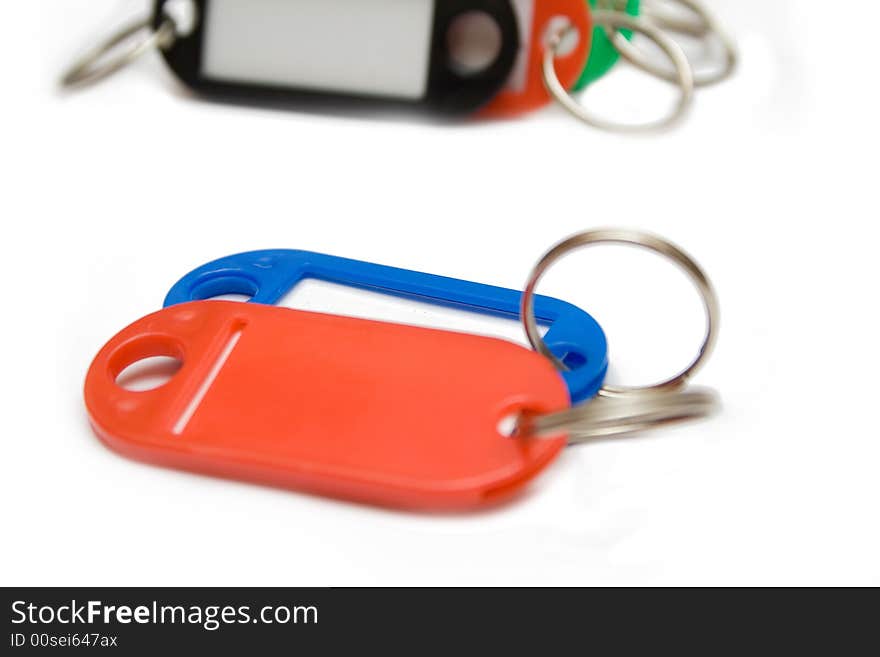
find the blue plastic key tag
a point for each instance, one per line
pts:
(267, 276)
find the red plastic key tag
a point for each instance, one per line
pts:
(364, 410)
(538, 19)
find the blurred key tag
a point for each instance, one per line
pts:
(451, 55)
(368, 411)
(538, 20)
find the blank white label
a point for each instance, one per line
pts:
(364, 47)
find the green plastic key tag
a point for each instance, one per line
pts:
(603, 54)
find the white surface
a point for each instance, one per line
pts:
(112, 194)
(373, 47)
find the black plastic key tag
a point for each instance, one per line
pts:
(450, 56)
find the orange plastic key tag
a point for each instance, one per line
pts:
(538, 19)
(350, 408)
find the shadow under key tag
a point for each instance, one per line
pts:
(368, 411)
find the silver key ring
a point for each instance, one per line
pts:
(711, 30)
(615, 417)
(653, 11)
(101, 62)
(694, 26)
(683, 75)
(623, 410)
(632, 238)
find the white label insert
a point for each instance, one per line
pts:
(364, 47)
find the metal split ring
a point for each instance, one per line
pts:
(693, 26)
(101, 62)
(623, 410)
(613, 20)
(705, 27)
(614, 417)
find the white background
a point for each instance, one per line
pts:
(110, 195)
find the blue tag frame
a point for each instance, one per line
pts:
(267, 276)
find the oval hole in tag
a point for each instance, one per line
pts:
(149, 373)
(367, 411)
(525, 90)
(474, 42)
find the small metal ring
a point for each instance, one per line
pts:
(632, 238)
(611, 19)
(621, 411)
(694, 26)
(713, 29)
(613, 417)
(89, 69)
